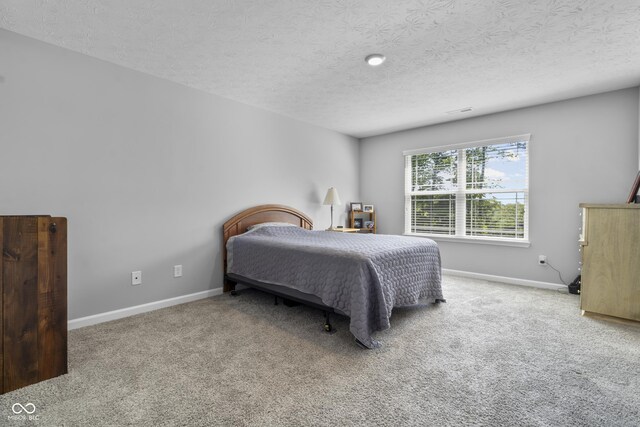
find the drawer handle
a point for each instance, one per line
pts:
(53, 227)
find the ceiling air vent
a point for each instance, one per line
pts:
(460, 111)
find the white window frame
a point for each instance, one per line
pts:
(462, 191)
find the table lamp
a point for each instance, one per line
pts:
(332, 198)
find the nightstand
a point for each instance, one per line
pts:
(344, 230)
(367, 220)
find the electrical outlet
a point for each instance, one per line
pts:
(177, 271)
(542, 259)
(136, 278)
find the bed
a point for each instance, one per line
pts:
(362, 276)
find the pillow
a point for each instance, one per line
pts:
(270, 224)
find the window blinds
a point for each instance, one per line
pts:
(469, 190)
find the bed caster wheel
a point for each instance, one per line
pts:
(234, 293)
(327, 324)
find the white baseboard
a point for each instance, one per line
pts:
(138, 309)
(144, 308)
(503, 279)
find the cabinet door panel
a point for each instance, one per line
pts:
(20, 302)
(611, 271)
(52, 297)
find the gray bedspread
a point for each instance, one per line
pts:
(362, 275)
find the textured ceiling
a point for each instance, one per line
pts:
(305, 58)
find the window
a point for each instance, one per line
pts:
(478, 190)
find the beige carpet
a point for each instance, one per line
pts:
(494, 354)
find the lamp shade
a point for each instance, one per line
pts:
(332, 197)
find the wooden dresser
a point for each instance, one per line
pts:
(33, 279)
(611, 260)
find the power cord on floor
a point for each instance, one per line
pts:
(557, 271)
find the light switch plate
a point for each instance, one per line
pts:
(177, 271)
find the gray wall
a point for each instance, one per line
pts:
(582, 150)
(147, 170)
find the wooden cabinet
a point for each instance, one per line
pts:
(33, 279)
(366, 218)
(611, 260)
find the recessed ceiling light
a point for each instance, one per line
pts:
(375, 59)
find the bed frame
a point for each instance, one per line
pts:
(258, 215)
(274, 213)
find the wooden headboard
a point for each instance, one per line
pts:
(257, 215)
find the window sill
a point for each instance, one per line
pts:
(474, 240)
